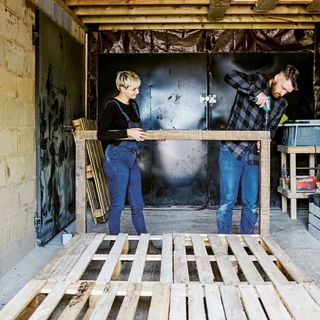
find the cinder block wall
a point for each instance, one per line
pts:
(17, 132)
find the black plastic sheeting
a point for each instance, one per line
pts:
(298, 44)
(187, 41)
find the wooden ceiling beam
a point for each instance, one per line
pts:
(201, 19)
(217, 9)
(90, 3)
(212, 26)
(181, 10)
(314, 6)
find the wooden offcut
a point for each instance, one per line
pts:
(264, 5)
(254, 279)
(95, 180)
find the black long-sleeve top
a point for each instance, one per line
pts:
(113, 119)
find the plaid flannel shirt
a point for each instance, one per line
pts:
(246, 115)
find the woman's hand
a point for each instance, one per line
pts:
(137, 134)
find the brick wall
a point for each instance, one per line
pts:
(17, 132)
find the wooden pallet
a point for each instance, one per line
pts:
(193, 277)
(130, 300)
(184, 258)
(96, 181)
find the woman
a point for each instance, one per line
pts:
(121, 119)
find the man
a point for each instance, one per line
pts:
(239, 160)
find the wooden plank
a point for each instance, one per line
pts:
(85, 258)
(196, 309)
(17, 304)
(104, 304)
(159, 307)
(190, 135)
(178, 306)
(272, 302)
(81, 207)
(139, 259)
(79, 300)
(89, 3)
(206, 26)
(314, 292)
(267, 264)
(199, 19)
(166, 274)
(180, 264)
(50, 302)
(298, 149)
(53, 264)
(203, 264)
(217, 9)
(124, 10)
(294, 271)
(251, 303)
(264, 188)
(130, 302)
(297, 195)
(314, 210)
(226, 269)
(299, 302)
(213, 301)
(232, 303)
(249, 270)
(67, 263)
(113, 259)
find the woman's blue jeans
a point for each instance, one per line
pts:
(232, 173)
(124, 178)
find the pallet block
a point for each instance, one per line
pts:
(96, 181)
(195, 276)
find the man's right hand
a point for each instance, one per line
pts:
(137, 134)
(262, 100)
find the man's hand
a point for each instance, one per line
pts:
(258, 146)
(263, 100)
(137, 134)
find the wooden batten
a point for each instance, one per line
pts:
(212, 26)
(217, 9)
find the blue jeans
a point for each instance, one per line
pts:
(123, 173)
(232, 172)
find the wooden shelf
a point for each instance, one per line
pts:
(297, 195)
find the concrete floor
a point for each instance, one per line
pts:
(291, 235)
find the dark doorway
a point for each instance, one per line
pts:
(186, 173)
(59, 100)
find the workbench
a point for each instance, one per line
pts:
(291, 192)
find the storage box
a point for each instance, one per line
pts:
(306, 183)
(301, 133)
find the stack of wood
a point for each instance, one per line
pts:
(96, 181)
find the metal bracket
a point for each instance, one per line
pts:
(211, 98)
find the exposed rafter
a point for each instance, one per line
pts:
(203, 14)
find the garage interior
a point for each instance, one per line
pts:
(60, 59)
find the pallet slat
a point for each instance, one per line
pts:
(228, 273)
(178, 306)
(232, 303)
(159, 307)
(213, 302)
(166, 275)
(202, 260)
(180, 264)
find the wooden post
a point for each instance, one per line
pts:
(284, 200)
(293, 186)
(264, 212)
(81, 197)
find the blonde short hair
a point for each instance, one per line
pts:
(126, 79)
